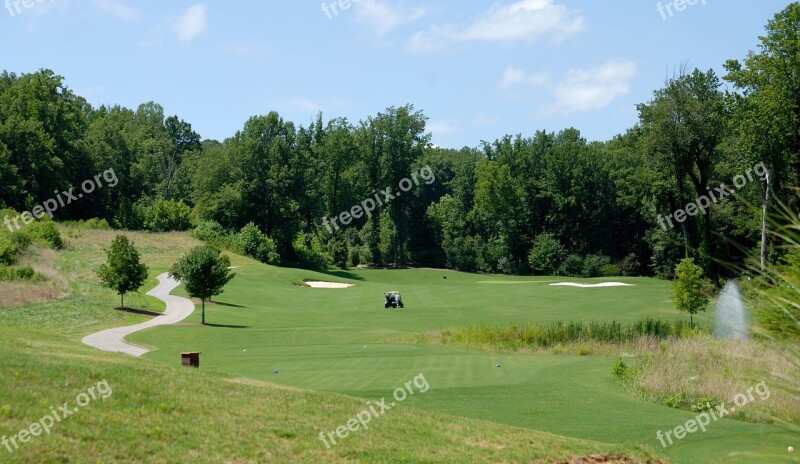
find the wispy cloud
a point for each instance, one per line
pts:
(521, 21)
(485, 120)
(591, 89)
(118, 9)
(515, 76)
(442, 127)
(383, 16)
(191, 23)
(247, 50)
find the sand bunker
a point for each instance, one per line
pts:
(602, 284)
(321, 284)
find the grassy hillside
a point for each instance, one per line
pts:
(342, 344)
(159, 413)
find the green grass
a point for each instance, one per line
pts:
(316, 339)
(337, 341)
(160, 413)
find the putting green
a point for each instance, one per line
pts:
(334, 340)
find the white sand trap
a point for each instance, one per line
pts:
(322, 284)
(602, 284)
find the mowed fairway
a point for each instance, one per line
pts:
(335, 340)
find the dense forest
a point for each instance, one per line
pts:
(710, 159)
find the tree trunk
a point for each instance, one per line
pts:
(203, 314)
(765, 198)
(121, 301)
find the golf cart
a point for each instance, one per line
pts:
(393, 300)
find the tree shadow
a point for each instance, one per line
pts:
(343, 274)
(230, 305)
(141, 312)
(227, 326)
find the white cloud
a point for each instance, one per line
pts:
(592, 89)
(514, 76)
(521, 21)
(191, 23)
(247, 50)
(442, 127)
(485, 120)
(384, 17)
(118, 9)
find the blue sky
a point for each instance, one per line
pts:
(478, 70)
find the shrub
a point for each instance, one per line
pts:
(593, 265)
(210, 232)
(8, 273)
(254, 243)
(95, 224)
(609, 270)
(572, 266)
(619, 369)
(166, 216)
(8, 249)
(45, 233)
(310, 252)
(631, 266)
(546, 255)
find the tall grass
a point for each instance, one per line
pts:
(515, 337)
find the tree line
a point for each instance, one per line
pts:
(550, 202)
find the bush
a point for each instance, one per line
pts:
(310, 252)
(609, 270)
(619, 369)
(593, 265)
(8, 273)
(210, 232)
(631, 266)
(95, 224)
(45, 233)
(572, 266)
(254, 243)
(8, 249)
(546, 255)
(167, 216)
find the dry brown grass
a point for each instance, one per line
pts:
(706, 367)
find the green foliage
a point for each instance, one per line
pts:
(610, 270)
(8, 249)
(254, 243)
(687, 290)
(704, 404)
(549, 335)
(572, 266)
(631, 266)
(122, 272)
(594, 265)
(547, 255)
(45, 233)
(26, 273)
(619, 369)
(168, 215)
(204, 273)
(311, 253)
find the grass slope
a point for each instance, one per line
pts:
(316, 338)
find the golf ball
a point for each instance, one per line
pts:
(791, 449)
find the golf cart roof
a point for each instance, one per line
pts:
(392, 293)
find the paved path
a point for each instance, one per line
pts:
(178, 309)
